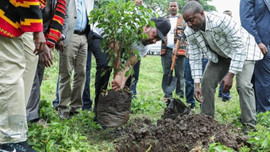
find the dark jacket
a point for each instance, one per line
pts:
(255, 18)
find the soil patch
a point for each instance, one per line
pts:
(114, 107)
(185, 133)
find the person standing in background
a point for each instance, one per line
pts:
(26, 18)
(167, 47)
(255, 18)
(73, 56)
(53, 13)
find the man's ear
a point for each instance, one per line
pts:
(202, 13)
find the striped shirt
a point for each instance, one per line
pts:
(228, 38)
(56, 25)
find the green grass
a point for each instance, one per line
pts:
(81, 133)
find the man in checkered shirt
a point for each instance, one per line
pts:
(219, 37)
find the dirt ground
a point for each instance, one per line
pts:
(187, 133)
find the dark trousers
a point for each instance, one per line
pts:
(261, 82)
(189, 81)
(166, 61)
(224, 95)
(103, 72)
(32, 108)
(135, 78)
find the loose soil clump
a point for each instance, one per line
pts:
(186, 133)
(114, 108)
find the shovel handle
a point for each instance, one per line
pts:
(174, 55)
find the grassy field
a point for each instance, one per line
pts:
(82, 134)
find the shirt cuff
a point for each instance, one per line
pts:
(197, 80)
(234, 72)
(63, 36)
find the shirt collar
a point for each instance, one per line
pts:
(206, 22)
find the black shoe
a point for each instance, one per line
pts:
(73, 112)
(247, 129)
(87, 109)
(192, 107)
(224, 99)
(16, 147)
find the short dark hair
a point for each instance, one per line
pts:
(173, 1)
(193, 6)
(227, 11)
(194, 0)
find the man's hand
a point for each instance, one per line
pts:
(198, 93)
(60, 44)
(40, 42)
(46, 57)
(117, 82)
(263, 48)
(174, 51)
(120, 79)
(227, 81)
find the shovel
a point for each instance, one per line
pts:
(168, 81)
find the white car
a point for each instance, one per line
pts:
(154, 49)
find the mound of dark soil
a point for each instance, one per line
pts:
(181, 134)
(114, 107)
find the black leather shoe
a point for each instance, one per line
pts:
(73, 112)
(16, 147)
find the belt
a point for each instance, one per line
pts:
(79, 32)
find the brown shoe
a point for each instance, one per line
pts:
(41, 122)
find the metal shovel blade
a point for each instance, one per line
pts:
(169, 84)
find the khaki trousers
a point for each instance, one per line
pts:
(31, 63)
(213, 73)
(72, 58)
(13, 125)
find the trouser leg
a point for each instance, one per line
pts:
(31, 63)
(166, 61)
(32, 108)
(179, 74)
(79, 74)
(213, 73)
(262, 84)
(13, 124)
(189, 83)
(246, 94)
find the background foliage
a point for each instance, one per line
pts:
(161, 6)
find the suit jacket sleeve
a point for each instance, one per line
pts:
(247, 17)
